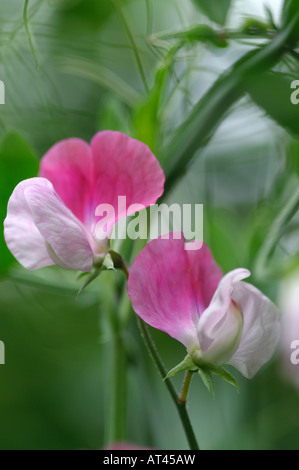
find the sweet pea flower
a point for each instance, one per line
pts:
(219, 319)
(51, 219)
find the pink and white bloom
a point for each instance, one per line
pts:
(51, 218)
(220, 319)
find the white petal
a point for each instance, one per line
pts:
(261, 329)
(21, 234)
(64, 233)
(224, 337)
(214, 316)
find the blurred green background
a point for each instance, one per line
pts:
(74, 67)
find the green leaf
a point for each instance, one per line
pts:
(118, 262)
(17, 162)
(146, 118)
(81, 275)
(108, 263)
(214, 9)
(272, 92)
(93, 275)
(254, 27)
(207, 379)
(225, 375)
(290, 10)
(205, 372)
(270, 17)
(186, 364)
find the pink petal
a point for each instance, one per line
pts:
(67, 240)
(69, 167)
(115, 165)
(220, 326)
(261, 329)
(21, 234)
(124, 167)
(205, 274)
(161, 291)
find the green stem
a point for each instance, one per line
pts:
(186, 36)
(275, 233)
(124, 22)
(185, 387)
(118, 397)
(208, 113)
(118, 389)
(29, 35)
(180, 406)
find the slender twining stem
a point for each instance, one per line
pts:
(180, 406)
(146, 336)
(118, 397)
(118, 373)
(29, 35)
(179, 403)
(185, 387)
(124, 22)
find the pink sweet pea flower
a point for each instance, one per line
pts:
(51, 219)
(220, 320)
